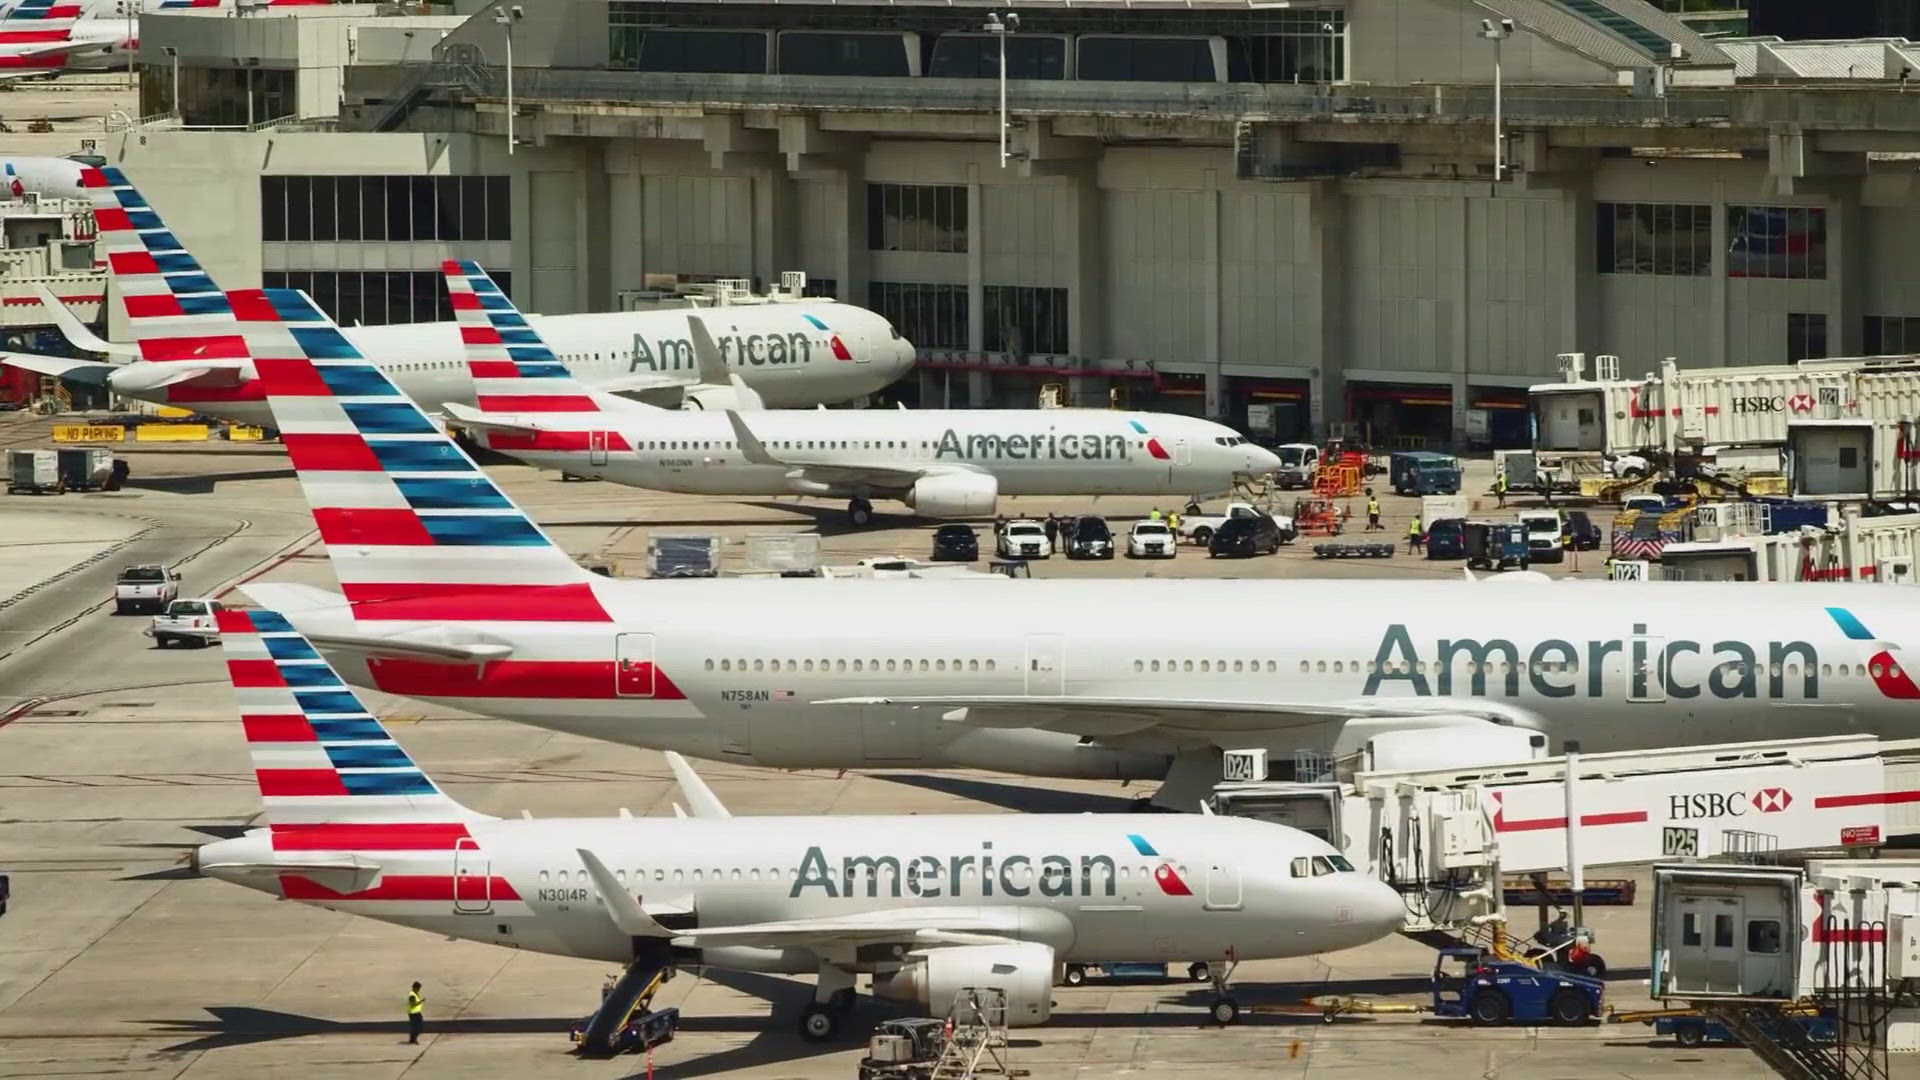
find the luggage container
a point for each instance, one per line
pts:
(85, 468)
(36, 472)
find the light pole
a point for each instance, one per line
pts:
(250, 63)
(506, 17)
(127, 9)
(1498, 33)
(173, 104)
(1000, 26)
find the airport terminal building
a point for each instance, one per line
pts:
(1203, 205)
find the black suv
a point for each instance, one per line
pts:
(1089, 538)
(1243, 536)
(955, 543)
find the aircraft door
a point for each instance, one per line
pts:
(1706, 958)
(1223, 887)
(1646, 668)
(1046, 676)
(472, 878)
(596, 448)
(1182, 452)
(633, 672)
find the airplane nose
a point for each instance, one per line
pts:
(1262, 461)
(1377, 910)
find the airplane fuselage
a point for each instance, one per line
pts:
(792, 354)
(1094, 887)
(1027, 451)
(1617, 666)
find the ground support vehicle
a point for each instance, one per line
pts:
(1372, 550)
(1496, 545)
(193, 622)
(1469, 984)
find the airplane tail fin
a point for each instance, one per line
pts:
(174, 309)
(514, 372)
(414, 529)
(41, 11)
(321, 759)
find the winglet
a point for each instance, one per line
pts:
(621, 906)
(75, 331)
(699, 796)
(751, 447)
(708, 365)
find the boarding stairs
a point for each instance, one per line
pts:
(976, 1042)
(1774, 1033)
(629, 997)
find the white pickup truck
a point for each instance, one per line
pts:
(145, 588)
(1199, 528)
(195, 621)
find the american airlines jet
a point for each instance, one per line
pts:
(923, 904)
(940, 462)
(783, 354)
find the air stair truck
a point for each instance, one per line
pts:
(1814, 967)
(1446, 834)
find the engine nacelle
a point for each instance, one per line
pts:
(712, 397)
(932, 978)
(954, 494)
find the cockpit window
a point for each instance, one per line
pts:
(1341, 863)
(1302, 866)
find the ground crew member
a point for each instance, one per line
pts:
(416, 1019)
(1413, 536)
(1053, 530)
(1500, 489)
(1173, 521)
(1155, 515)
(1373, 512)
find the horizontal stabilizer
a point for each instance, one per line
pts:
(76, 332)
(93, 372)
(346, 875)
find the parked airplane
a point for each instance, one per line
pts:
(940, 462)
(34, 45)
(923, 904)
(453, 596)
(53, 177)
(777, 354)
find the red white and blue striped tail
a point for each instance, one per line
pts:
(40, 11)
(318, 755)
(174, 309)
(414, 530)
(513, 370)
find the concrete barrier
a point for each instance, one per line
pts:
(244, 433)
(171, 433)
(65, 433)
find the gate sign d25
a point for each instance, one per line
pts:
(1680, 843)
(1244, 765)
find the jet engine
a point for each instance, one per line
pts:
(931, 978)
(716, 398)
(954, 494)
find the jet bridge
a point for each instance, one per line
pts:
(1446, 836)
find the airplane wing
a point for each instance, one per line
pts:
(468, 416)
(637, 383)
(1204, 718)
(89, 371)
(880, 473)
(75, 331)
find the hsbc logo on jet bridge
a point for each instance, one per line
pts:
(1719, 804)
(1559, 668)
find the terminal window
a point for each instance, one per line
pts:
(1023, 320)
(1787, 242)
(930, 316)
(917, 217)
(1806, 336)
(376, 297)
(405, 208)
(1891, 335)
(1674, 239)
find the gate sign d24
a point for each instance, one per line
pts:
(1244, 765)
(1680, 843)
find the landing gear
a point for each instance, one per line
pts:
(819, 1022)
(833, 998)
(859, 513)
(1224, 1010)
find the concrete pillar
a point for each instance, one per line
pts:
(1461, 296)
(593, 287)
(1210, 291)
(852, 270)
(1579, 283)
(976, 264)
(1846, 267)
(1327, 347)
(1086, 265)
(1717, 347)
(776, 222)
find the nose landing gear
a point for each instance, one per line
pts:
(1224, 1009)
(859, 513)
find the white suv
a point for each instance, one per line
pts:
(1024, 539)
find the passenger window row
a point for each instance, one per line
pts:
(858, 666)
(1472, 667)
